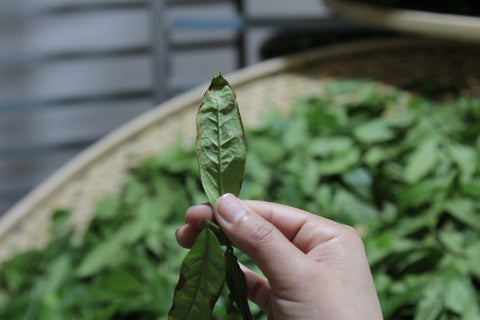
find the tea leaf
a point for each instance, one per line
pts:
(464, 211)
(220, 144)
(374, 131)
(221, 153)
(104, 255)
(340, 163)
(459, 294)
(421, 162)
(202, 275)
(430, 306)
(327, 146)
(236, 283)
(112, 251)
(464, 157)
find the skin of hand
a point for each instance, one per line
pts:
(315, 268)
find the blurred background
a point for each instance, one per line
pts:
(72, 71)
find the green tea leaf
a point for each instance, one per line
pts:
(471, 188)
(220, 144)
(430, 305)
(349, 209)
(473, 255)
(236, 283)
(340, 163)
(269, 150)
(459, 294)
(112, 251)
(374, 131)
(327, 146)
(464, 211)
(464, 157)
(310, 177)
(360, 181)
(419, 193)
(106, 254)
(295, 133)
(375, 155)
(421, 162)
(202, 275)
(452, 240)
(122, 280)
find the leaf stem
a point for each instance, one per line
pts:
(216, 228)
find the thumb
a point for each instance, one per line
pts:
(268, 248)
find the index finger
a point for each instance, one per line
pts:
(304, 229)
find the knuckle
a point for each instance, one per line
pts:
(352, 232)
(351, 237)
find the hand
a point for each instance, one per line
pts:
(315, 268)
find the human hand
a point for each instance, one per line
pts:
(315, 268)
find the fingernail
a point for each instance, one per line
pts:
(230, 208)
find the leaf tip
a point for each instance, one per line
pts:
(218, 81)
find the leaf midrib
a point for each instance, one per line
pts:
(219, 149)
(203, 267)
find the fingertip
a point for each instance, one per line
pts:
(259, 290)
(186, 235)
(229, 209)
(196, 215)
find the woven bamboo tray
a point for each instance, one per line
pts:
(274, 84)
(431, 24)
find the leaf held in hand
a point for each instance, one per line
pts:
(237, 284)
(220, 144)
(202, 275)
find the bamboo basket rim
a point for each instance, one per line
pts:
(175, 105)
(432, 24)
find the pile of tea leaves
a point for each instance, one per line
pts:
(403, 170)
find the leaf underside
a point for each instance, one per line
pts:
(202, 276)
(220, 141)
(237, 283)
